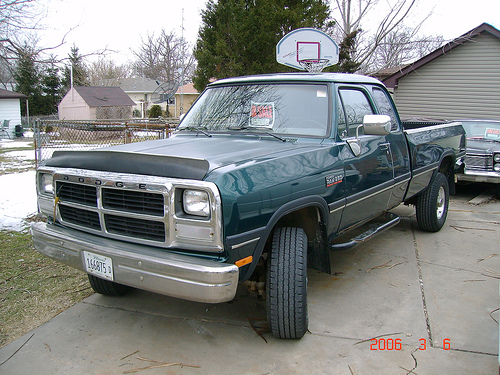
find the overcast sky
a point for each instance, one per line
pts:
(119, 25)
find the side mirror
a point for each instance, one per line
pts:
(377, 124)
(372, 125)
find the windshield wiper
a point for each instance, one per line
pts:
(197, 130)
(258, 131)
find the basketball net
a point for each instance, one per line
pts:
(314, 66)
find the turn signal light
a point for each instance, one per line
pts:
(244, 261)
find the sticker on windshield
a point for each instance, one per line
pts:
(492, 133)
(262, 115)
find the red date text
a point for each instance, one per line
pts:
(396, 344)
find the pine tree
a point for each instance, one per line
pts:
(346, 64)
(80, 75)
(52, 88)
(28, 80)
(238, 37)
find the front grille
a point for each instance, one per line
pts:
(137, 228)
(76, 193)
(80, 217)
(479, 162)
(137, 214)
(133, 201)
(145, 210)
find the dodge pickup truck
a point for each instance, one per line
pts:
(261, 177)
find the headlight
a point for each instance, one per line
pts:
(496, 158)
(46, 183)
(196, 202)
(496, 167)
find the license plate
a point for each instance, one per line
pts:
(98, 265)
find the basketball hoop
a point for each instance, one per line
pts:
(314, 66)
(307, 49)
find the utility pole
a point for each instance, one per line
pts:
(71, 82)
(181, 109)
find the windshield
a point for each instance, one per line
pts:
(298, 109)
(482, 129)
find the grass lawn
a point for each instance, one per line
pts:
(33, 288)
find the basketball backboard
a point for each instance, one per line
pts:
(307, 49)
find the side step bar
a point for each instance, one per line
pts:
(392, 220)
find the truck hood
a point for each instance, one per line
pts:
(181, 156)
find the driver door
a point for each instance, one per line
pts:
(369, 177)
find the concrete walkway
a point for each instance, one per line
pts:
(406, 302)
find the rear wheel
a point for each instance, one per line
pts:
(108, 288)
(287, 284)
(432, 204)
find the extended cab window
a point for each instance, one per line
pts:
(385, 107)
(298, 109)
(353, 106)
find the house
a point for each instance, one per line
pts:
(185, 96)
(387, 72)
(459, 80)
(95, 103)
(142, 91)
(10, 112)
(146, 92)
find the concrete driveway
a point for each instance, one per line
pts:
(406, 302)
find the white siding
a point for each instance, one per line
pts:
(464, 83)
(138, 98)
(73, 107)
(10, 109)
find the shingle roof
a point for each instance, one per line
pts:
(6, 94)
(187, 89)
(104, 96)
(392, 80)
(140, 84)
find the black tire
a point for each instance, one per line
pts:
(432, 205)
(108, 288)
(287, 284)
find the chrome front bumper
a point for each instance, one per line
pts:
(142, 267)
(479, 176)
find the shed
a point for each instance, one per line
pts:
(95, 103)
(459, 80)
(10, 112)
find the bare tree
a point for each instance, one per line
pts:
(402, 46)
(166, 58)
(104, 72)
(359, 15)
(19, 22)
(16, 17)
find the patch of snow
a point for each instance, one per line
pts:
(15, 144)
(18, 192)
(21, 155)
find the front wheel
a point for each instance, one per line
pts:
(432, 204)
(287, 284)
(107, 288)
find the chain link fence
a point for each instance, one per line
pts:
(51, 135)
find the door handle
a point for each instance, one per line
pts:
(384, 146)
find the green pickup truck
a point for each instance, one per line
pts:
(261, 177)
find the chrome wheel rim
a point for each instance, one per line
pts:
(441, 203)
